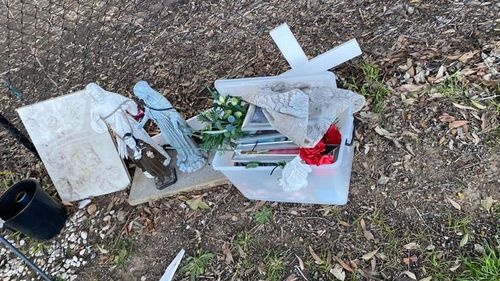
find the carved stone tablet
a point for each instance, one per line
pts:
(80, 162)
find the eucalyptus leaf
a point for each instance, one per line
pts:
(253, 164)
(197, 203)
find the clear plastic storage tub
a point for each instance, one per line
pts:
(327, 184)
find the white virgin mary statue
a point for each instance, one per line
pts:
(174, 128)
(114, 110)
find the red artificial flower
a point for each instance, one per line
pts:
(314, 156)
(138, 116)
(332, 136)
(325, 159)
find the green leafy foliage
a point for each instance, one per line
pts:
(197, 265)
(121, 250)
(244, 240)
(7, 178)
(38, 247)
(451, 86)
(370, 86)
(275, 266)
(483, 268)
(222, 122)
(263, 215)
(255, 164)
(252, 164)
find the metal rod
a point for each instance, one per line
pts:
(25, 259)
(18, 135)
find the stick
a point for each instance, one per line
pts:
(25, 259)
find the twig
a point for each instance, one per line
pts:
(300, 272)
(10, 12)
(489, 98)
(470, 166)
(44, 69)
(316, 218)
(420, 215)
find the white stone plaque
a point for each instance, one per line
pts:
(80, 162)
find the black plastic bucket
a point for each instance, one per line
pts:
(25, 207)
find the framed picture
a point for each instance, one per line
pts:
(266, 152)
(255, 120)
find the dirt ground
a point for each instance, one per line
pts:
(425, 166)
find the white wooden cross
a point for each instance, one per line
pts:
(297, 59)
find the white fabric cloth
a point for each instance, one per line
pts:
(294, 175)
(301, 112)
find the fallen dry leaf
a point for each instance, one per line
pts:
(464, 240)
(457, 124)
(197, 203)
(227, 253)
(362, 224)
(467, 56)
(343, 264)
(455, 267)
(369, 255)
(102, 250)
(241, 252)
(338, 272)
(258, 205)
(262, 268)
(408, 88)
(316, 258)
(454, 204)
(445, 118)
(487, 203)
(476, 138)
(91, 209)
(410, 274)
(429, 278)
(368, 235)
(344, 223)
(383, 180)
(478, 104)
(383, 132)
(461, 106)
(292, 277)
(411, 246)
(301, 263)
(453, 57)
(441, 71)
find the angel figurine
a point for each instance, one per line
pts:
(174, 128)
(116, 111)
(150, 161)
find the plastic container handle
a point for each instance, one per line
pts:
(352, 136)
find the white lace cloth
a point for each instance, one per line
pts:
(301, 112)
